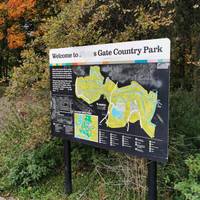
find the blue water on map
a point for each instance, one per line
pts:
(80, 120)
(117, 113)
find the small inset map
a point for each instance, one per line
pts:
(86, 127)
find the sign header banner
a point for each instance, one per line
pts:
(124, 52)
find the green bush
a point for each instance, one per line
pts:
(184, 117)
(190, 187)
(34, 165)
(184, 139)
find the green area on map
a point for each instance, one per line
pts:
(127, 104)
(86, 127)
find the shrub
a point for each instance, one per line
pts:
(184, 140)
(190, 187)
(34, 165)
(184, 117)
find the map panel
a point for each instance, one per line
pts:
(86, 127)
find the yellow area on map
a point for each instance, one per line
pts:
(86, 127)
(127, 104)
(90, 88)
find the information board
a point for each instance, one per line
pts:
(113, 96)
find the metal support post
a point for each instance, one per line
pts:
(67, 163)
(152, 180)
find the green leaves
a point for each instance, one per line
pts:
(190, 187)
(34, 165)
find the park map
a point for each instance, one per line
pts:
(127, 104)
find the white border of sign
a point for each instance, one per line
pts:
(145, 51)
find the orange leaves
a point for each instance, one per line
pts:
(2, 21)
(1, 36)
(10, 13)
(2, 6)
(16, 8)
(16, 38)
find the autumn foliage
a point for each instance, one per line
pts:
(11, 12)
(2, 21)
(2, 6)
(16, 38)
(1, 36)
(16, 8)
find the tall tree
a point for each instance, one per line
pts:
(19, 20)
(186, 41)
(12, 32)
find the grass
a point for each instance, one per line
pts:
(11, 148)
(3, 86)
(88, 185)
(2, 90)
(97, 174)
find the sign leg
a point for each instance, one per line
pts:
(67, 164)
(152, 180)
